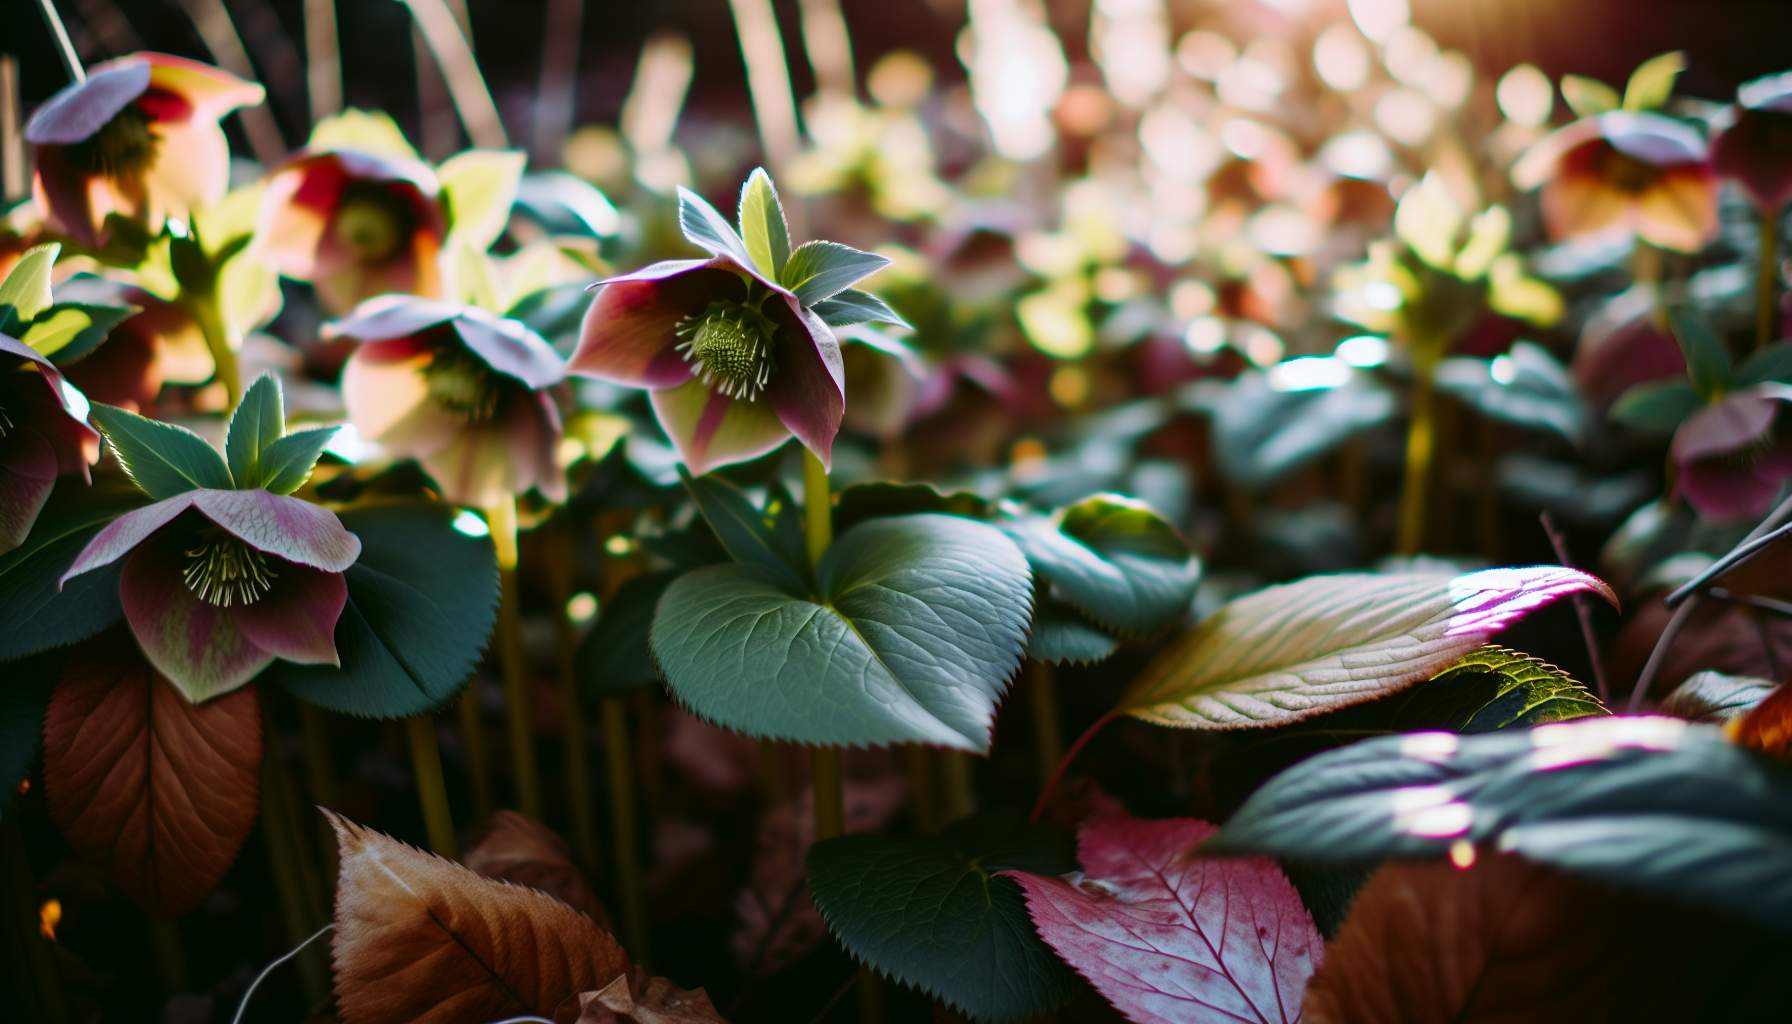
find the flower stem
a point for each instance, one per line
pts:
(283, 855)
(64, 46)
(955, 777)
(1421, 434)
(448, 44)
(576, 763)
(620, 768)
(1048, 733)
(1767, 283)
(432, 791)
(479, 760)
(219, 343)
(501, 517)
(20, 902)
(1051, 784)
(170, 957)
(818, 532)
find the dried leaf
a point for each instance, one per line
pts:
(516, 848)
(1170, 937)
(422, 940)
(1509, 941)
(1766, 727)
(161, 792)
(644, 999)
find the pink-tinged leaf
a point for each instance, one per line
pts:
(123, 534)
(196, 645)
(1303, 649)
(1172, 938)
(627, 335)
(27, 475)
(296, 620)
(709, 429)
(808, 389)
(283, 526)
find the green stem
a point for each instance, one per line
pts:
(501, 518)
(38, 974)
(289, 885)
(576, 764)
(955, 776)
(432, 791)
(320, 772)
(619, 766)
(220, 344)
(1767, 283)
(1421, 434)
(479, 760)
(818, 532)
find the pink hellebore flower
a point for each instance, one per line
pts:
(219, 583)
(1733, 457)
(160, 344)
(1753, 144)
(1626, 170)
(139, 138)
(355, 225)
(41, 437)
(466, 393)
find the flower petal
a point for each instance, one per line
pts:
(627, 334)
(191, 169)
(123, 534)
(1726, 493)
(79, 111)
(210, 92)
(510, 348)
(197, 646)
(392, 317)
(28, 473)
(711, 429)
(534, 431)
(1680, 211)
(808, 387)
(283, 526)
(1737, 422)
(474, 469)
(296, 620)
(388, 402)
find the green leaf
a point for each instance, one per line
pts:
(1658, 407)
(1653, 81)
(1113, 559)
(259, 421)
(1524, 388)
(1588, 97)
(920, 624)
(742, 529)
(69, 330)
(25, 293)
(479, 187)
(1495, 688)
(1264, 431)
(614, 658)
(1302, 649)
(1772, 364)
(1062, 637)
(1707, 358)
(370, 131)
(287, 463)
(822, 270)
(22, 703)
(856, 307)
(1715, 697)
(931, 913)
(39, 616)
(707, 229)
(421, 602)
(762, 225)
(1649, 803)
(162, 459)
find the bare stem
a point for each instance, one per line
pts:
(1048, 734)
(576, 765)
(768, 79)
(64, 46)
(1051, 784)
(213, 22)
(1421, 434)
(220, 343)
(432, 790)
(624, 828)
(466, 86)
(323, 59)
(1582, 609)
(1767, 282)
(501, 517)
(479, 760)
(818, 531)
(559, 77)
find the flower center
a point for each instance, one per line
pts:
(122, 147)
(459, 382)
(1628, 174)
(370, 223)
(730, 346)
(222, 571)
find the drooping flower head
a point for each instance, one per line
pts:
(138, 138)
(1625, 171)
(355, 225)
(226, 571)
(43, 435)
(466, 393)
(738, 350)
(1732, 457)
(159, 344)
(1753, 144)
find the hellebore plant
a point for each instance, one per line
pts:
(226, 571)
(43, 435)
(137, 139)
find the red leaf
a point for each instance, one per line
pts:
(161, 792)
(1170, 938)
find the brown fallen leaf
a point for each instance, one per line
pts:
(1506, 941)
(1766, 727)
(640, 998)
(516, 848)
(422, 940)
(160, 792)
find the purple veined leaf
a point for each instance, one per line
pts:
(1168, 937)
(1302, 649)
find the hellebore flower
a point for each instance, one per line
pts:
(738, 350)
(159, 344)
(466, 393)
(1625, 170)
(42, 436)
(355, 225)
(218, 583)
(138, 138)
(1753, 144)
(1734, 456)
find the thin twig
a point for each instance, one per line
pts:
(212, 20)
(559, 77)
(12, 138)
(249, 992)
(64, 46)
(323, 60)
(1766, 604)
(1762, 537)
(1652, 667)
(466, 86)
(839, 994)
(768, 79)
(1582, 608)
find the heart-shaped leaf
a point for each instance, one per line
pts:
(822, 270)
(259, 421)
(919, 625)
(162, 459)
(1113, 559)
(421, 601)
(1505, 940)
(422, 940)
(1301, 649)
(38, 615)
(1650, 803)
(932, 913)
(160, 792)
(762, 225)
(1169, 937)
